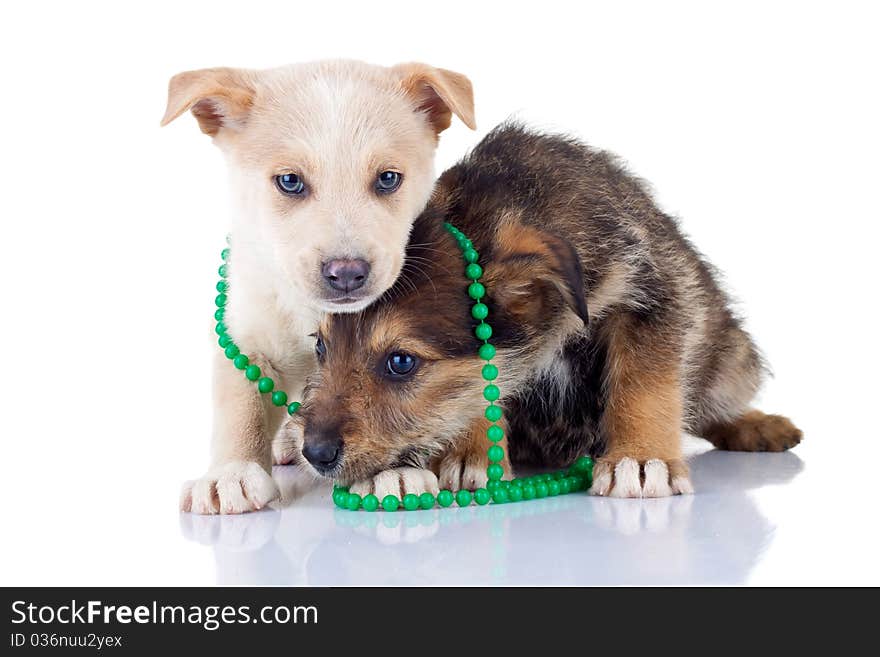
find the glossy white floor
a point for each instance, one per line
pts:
(753, 520)
(756, 519)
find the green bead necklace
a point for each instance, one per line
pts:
(498, 490)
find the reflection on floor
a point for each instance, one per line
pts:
(714, 537)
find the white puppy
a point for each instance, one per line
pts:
(330, 163)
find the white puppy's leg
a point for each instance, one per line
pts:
(239, 479)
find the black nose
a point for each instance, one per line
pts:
(345, 275)
(323, 450)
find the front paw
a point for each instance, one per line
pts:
(398, 482)
(469, 473)
(653, 478)
(236, 487)
(287, 443)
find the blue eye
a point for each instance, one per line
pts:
(290, 184)
(320, 348)
(388, 181)
(399, 364)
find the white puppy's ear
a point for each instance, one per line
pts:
(218, 97)
(439, 94)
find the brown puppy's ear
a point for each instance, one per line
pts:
(439, 93)
(218, 97)
(534, 273)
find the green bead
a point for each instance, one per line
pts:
(494, 472)
(222, 286)
(490, 372)
(445, 498)
(479, 311)
(353, 503)
(224, 340)
(464, 497)
(476, 291)
(231, 351)
(219, 314)
(279, 398)
(470, 256)
(487, 351)
(491, 392)
(493, 413)
(466, 243)
(339, 497)
(426, 501)
(410, 502)
(541, 489)
(483, 331)
(583, 464)
(553, 488)
(482, 496)
(495, 453)
(493, 485)
(494, 433)
(515, 493)
(564, 486)
(220, 300)
(252, 372)
(390, 503)
(577, 483)
(241, 361)
(293, 407)
(225, 254)
(370, 503)
(220, 328)
(473, 271)
(223, 270)
(265, 384)
(528, 492)
(500, 496)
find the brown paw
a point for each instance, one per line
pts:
(756, 432)
(626, 477)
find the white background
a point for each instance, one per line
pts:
(756, 123)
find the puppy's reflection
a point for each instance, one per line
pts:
(713, 537)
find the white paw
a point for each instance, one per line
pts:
(284, 451)
(399, 482)
(469, 475)
(626, 478)
(236, 487)
(286, 446)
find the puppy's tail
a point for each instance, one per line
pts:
(753, 431)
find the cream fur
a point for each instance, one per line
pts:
(337, 124)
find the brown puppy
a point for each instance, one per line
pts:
(560, 229)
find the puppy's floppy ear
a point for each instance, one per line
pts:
(439, 93)
(218, 97)
(533, 274)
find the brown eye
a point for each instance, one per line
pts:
(400, 364)
(388, 181)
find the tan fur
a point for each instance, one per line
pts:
(754, 432)
(337, 125)
(643, 417)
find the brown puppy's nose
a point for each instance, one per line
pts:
(323, 449)
(345, 275)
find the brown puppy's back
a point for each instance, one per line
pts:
(635, 261)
